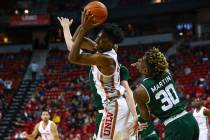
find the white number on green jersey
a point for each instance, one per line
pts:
(169, 97)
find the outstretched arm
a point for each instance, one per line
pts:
(86, 59)
(87, 43)
(141, 99)
(33, 134)
(130, 99)
(124, 77)
(76, 32)
(131, 104)
(66, 23)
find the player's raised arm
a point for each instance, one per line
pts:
(124, 76)
(86, 59)
(76, 32)
(69, 39)
(129, 97)
(33, 134)
(54, 131)
(141, 99)
(66, 23)
(131, 105)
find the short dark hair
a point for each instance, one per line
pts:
(156, 62)
(45, 110)
(197, 98)
(114, 32)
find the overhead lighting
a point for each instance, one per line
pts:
(5, 40)
(156, 1)
(181, 34)
(26, 11)
(16, 12)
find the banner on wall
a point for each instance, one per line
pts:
(29, 20)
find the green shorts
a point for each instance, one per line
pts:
(183, 128)
(98, 121)
(152, 137)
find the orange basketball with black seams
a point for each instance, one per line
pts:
(98, 10)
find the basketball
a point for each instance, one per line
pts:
(98, 10)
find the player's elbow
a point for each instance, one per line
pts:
(72, 58)
(135, 96)
(56, 137)
(31, 137)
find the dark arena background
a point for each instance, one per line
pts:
(31, 36)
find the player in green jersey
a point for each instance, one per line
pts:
(157, 94)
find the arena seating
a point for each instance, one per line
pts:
(66, 93)
(65, 90)
(12, 69)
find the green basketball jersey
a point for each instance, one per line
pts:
(97, 98)
(163, 99)
(124, 75)
(150, 124)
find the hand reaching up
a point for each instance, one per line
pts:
(65, 22)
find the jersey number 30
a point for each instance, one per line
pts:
(169, 97)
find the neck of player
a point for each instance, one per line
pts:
(46, 122)
(198, 108)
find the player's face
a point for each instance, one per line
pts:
(116, 48)
(103, 41)
(138, 65)
(142, 67)
(45, 116)
(197, 102)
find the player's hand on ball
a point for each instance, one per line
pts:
(88, 20)
(65, 22)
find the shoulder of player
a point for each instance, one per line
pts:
(38, 124)
(123, 68)
(203, 107)
(53, 125)
(140, 93)
(145, 80)
(206, 111)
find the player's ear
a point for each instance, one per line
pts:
(146, 70)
